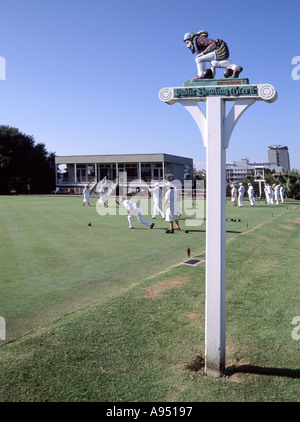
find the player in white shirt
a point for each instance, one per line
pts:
(233, 195)
(171, 210)
(86, 196)
(103, 197)
(276, 193)
(251, 194)
(156, 195)
(241, 194)
(133, 210)
(270, 191)
(266, 190)
(281, 190)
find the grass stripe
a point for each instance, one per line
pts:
(135, 345)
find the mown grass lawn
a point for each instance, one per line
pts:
(136, 327)
(53, 262)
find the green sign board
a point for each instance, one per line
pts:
(220, 91)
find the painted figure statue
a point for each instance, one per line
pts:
(215, 52)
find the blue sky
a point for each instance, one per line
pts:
(83, 76)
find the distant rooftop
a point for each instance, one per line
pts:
(278, 147)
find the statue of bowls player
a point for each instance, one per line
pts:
(215, 52)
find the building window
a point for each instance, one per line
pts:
(131, 170)
(146, 171)
(91, 170)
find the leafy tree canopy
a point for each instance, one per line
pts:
(24, 163)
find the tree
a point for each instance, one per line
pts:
(291, 183)
(290, 180)
(24, 163)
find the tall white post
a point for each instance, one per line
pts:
(216, 238)
(216, 128)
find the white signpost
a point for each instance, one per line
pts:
(216, 128)
(259, 177)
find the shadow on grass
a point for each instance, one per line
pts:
(198, 364)
(260, 370)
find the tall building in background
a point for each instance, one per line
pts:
(279, 154)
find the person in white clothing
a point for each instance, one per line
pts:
(103, 197)
(241, 194)
(133, 210)
(86, 196)
(251, 194)
(270, 191)
(171, 210)
(281, 191)
(276, 193)
(156, 193)
(266, 190)
(233, 195)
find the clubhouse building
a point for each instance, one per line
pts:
(75, 171)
